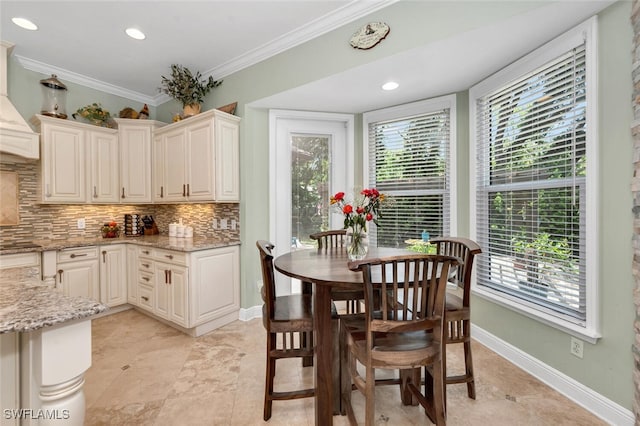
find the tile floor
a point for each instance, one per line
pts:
(147, 373)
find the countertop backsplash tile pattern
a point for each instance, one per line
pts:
(43, 221)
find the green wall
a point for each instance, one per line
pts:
(607, 366)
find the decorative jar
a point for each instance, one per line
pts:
(54, 97)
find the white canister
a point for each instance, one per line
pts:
(188, 232)
(172, 229)
(180, 231)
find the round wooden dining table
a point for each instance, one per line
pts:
(325, 269)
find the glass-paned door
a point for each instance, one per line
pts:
(310, 174)
(311, 158)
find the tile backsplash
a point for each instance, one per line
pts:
(44, 221)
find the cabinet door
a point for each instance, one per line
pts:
(158, 184)
(200, 161)
(178, 285)
(63, 164)
(227, 160)
(175, 152)
(132, 274)
(113, 275)
(161, 290)
(79, 278)
(135, 163)
(104, 173)
(214, 284)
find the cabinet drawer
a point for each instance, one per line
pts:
(145, 278)
(145, 264)
(145, 294)
(75, 254)
(146, 252)
(171, 256)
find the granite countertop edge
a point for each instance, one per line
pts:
(28, 305)
(156, 241)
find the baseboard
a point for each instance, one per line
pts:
(602, 407)
(250, 313)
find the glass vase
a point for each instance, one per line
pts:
(357, 244)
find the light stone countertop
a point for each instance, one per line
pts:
(27, 304)
(158, 241)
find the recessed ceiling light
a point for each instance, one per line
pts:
(24, 23)
(391, 85)
(135, 33)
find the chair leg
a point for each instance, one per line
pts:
(307, 342)
(438, 394)
(270, 374)
(337, 373)
(370, 396)
(468, 362)
(346, 364)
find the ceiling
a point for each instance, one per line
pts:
(84, 42)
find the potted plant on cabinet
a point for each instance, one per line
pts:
(188, 88)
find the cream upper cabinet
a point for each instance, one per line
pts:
(79, 162)
(227, 159)
(103, 173)
(63, 160)
(197, 159)
(135, 159)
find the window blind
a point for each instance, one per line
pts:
(409, 161)
(531, 188)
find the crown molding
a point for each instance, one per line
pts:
(83, 80)
(344, 15)
(341, 16)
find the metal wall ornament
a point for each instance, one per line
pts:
(54, 97)
(369, 35)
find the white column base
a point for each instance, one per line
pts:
(54, 360)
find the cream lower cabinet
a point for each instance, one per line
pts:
(197, 291)
(78, 272)
(171, 292)
(113, 274)
(132, 274)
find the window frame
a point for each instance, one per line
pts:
(583, 33)
(410, 110)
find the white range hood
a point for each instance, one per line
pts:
(16, 137)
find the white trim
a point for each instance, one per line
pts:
(582, 395)
(408, 110)
(250, 313)
(585, 32)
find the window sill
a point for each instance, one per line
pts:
(587, 334)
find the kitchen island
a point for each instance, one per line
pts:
(45, 343)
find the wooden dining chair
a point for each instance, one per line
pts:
(458, 309)
(353, 299)
(288, 320)
(336, 239)
(403, 330)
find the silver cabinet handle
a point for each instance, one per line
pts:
(162, 192)
(104, 256)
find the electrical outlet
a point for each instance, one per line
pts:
(81, 224)
(233, 224)
(223, 223)
(577, 346)
(214, 224)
